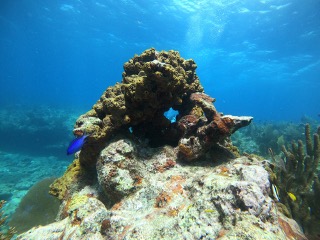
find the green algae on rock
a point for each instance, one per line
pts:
(73, 179)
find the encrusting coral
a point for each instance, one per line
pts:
(298, 182)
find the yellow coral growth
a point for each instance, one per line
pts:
(77, 201)
(60, 187)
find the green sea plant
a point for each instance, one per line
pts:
(298, 181)
(11, 231)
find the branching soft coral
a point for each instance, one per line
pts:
(298, 182)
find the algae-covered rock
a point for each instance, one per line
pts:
(119, 171)
(152, 83)
(141, 176)
(86, 215)
(170, 199)
(74, 177)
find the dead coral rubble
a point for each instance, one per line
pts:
(299, 177)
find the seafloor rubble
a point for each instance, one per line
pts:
(140, 176)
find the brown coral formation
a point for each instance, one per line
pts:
(204, 127)
(151, 84)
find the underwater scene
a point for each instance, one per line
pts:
(171, 119)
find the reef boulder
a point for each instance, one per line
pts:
(153, 195)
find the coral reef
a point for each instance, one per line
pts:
(156, 196)
(298, 182)
(141, 176)
(258, 137)
(152, 83)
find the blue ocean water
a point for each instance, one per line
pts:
(259, 58)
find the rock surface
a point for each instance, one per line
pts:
(147, 193)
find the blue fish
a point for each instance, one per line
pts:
(76, 144)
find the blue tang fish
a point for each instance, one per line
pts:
(76, 144)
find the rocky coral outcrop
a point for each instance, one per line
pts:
(153, 195)
(152, 83)
(137, 176)
(204, 128)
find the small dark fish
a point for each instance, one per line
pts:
(76, 144)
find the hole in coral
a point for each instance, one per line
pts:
(171, 115)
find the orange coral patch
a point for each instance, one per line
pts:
(116, 206)
(162, 200)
